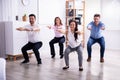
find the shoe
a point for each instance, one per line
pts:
(39, 62)
(25, 61)
(66, 67)
(88, 59)
(101, 60)
(80, 69)
(61, 56)
(52, 56)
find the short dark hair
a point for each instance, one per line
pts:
(32, 15)
(96, 15)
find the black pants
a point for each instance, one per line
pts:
(59, 40)
(35, 47)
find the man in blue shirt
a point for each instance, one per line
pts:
(96, 27)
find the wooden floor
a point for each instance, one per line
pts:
(51, 69)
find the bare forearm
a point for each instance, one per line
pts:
(20, 29)
(35, 29)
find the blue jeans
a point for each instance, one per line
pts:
(92, 41)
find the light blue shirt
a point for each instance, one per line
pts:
(96, 31)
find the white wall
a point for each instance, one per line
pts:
(110, 15)
(48, 10)
(111, 18)
(5, 10)
(31, 8)
(9, 9)
(91, 7)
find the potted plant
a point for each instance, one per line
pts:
(24, 18)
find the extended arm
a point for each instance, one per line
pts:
(21, 29)
(61, 31)
(89, 27)
(79, 32)
(35, 29)
(103, 28)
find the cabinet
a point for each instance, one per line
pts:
(11, 40)
(2, 39)
(75, 9)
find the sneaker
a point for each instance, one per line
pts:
(80, 69)
(39, 62)
(52, 56)
(25, 62)
(88, 59)
(61, 56)
(101, 60)
(66, 67)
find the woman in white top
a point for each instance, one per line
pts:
(33, 39)
(74, 44)
(59, 37)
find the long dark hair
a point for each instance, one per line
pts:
(76, 29)
(56, 19)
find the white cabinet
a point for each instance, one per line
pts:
(13, 40)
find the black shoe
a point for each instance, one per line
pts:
(66, 67)
(39, 62)
(52, 56)
(61, 56)
(88, 59)
(101, 60)
(25, 61)
(80, 69)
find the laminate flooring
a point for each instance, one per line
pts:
(51, 69)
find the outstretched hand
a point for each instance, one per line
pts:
(26, 29)
(78, 32)
(23, 29)
(20, 29)
(49, 27)
(103, 28)
(89, 28)
(61, 31)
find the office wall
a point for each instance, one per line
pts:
(48, 10)
(9, 9)
(111, 18)
(110, 15)
(5, 10)
(91, 7)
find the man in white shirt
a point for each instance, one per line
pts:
(33, 39)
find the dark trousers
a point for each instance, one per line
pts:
(92, 41)
(60, 41)
(35, 47)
